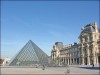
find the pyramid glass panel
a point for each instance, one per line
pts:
(29, 55)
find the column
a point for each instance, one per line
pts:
(72, 60)
(76, 60)
(63, 61)
(97, 60)
(79, 60)
(82, 55)
(82, 60)
(88, 60)
(68, 61)
(94, 58)
(88, 54)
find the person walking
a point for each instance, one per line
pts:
(93, 65)
(43, 68)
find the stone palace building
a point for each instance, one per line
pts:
(86, 52)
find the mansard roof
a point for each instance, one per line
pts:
(88, 28)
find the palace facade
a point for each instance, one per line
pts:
(90, 51)
(86, 52)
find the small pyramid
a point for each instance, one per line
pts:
(29, 55)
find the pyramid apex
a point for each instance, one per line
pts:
(30, 40)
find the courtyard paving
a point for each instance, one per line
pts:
(81, 70)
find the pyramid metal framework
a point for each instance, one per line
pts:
(30, 55)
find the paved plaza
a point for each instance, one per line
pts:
(51, 70)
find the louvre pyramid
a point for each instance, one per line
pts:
(29, 55)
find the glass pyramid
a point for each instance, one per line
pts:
(30, 55)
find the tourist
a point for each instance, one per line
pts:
(43, 67)
(92, 65)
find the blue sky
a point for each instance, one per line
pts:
(43, 22)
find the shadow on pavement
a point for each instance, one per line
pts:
(92, 68)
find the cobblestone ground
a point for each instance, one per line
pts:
(51, 70)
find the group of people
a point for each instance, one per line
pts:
(43, 66)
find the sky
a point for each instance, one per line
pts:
(43, 22)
